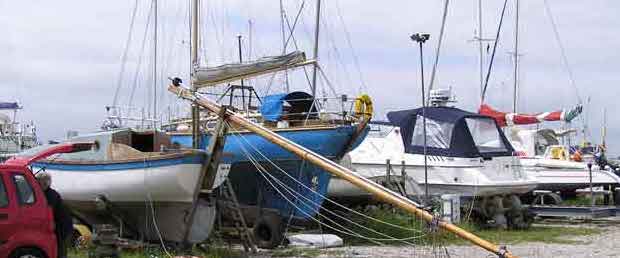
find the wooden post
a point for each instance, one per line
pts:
(338, 170)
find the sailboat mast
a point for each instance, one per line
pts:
(515, 96)
(283, 30)
(154, 64)
(481, 54)
(316, 45)
(194, 65)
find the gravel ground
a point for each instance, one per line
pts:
(606, 244)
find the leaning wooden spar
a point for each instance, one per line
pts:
(338, 170)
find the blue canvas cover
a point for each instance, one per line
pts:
(299, 104)
(9, 105)
(461, 142)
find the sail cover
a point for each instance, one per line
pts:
(9, 105)
(231, 72)
(509, 119)
(296, 105)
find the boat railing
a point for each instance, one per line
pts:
(129, 116)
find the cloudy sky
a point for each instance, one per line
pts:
(63, 59)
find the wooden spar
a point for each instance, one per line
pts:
(340, 171)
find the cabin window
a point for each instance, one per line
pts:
(485, 134)
(438, 133)
(143, 142)
(4, 198)
(25, 193)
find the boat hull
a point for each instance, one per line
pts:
(254, 187)
(152, 195)
(566, 175)
(446, 178)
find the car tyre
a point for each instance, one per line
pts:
(268, 231)
(27, 253)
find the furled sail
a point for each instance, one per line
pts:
(509, 119)
(9, 105)
(210, 76)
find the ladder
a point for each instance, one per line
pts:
(245, 234)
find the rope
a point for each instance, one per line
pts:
(319, 194)
(363, 87)
(499, 29)
(325, 197)
(152, 208)
(556, 33)
(135, 78)
(438, 49)
(124, 57)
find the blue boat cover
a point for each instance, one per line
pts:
(9, 105)
(458, 142)
(299, 104)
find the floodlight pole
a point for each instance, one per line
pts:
(421, 39)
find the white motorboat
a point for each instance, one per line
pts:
(14, 136)
(467, 154)
(137, 177)
(543, 157)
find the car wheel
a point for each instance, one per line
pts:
(27, 253)
(268, 231)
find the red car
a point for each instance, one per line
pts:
(26, 220)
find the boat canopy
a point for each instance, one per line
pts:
(451, 132)
(209, 76)
(296, 105)
(9, 105)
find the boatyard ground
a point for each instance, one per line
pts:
(563, 239)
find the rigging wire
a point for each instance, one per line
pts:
(125, 52)
(499, 29)
(317, 193)
(140, 57)
(567, 67)
(263, 171)
(363, 86)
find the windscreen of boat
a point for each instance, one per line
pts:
(439, 133)
(486, 135)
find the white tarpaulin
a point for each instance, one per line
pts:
(315, 240)
(209, 76)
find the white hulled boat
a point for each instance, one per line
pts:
(543, 157)
(137, 176)
(14, 136)
(467, 153)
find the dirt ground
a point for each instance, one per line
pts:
(606, 244)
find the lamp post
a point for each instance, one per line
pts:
(421, 38)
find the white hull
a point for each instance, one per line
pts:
(558, 175)
(174, 183)
(462, 180)
(446, 175)
(164, 192)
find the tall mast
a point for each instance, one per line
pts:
(154, 64)
(516, 60)
(316, 45)
(194, 40)
(195, 62)
(283, 29)
(481, 54)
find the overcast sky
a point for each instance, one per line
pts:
(62, 59)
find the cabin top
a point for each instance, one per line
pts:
(451, 132)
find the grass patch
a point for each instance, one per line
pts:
(216, 252)
(419, 230)
(583, 200)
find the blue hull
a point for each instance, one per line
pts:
(251, 186)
